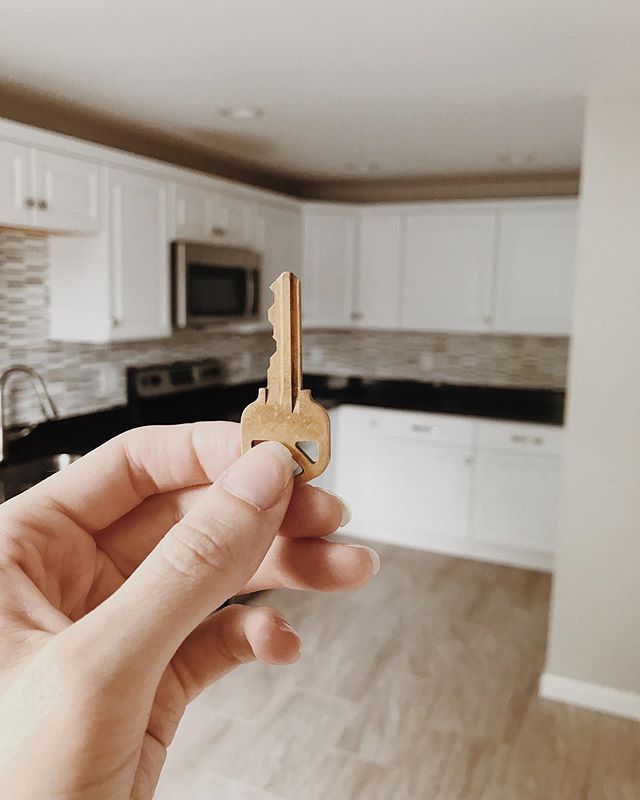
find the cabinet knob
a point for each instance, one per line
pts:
(469, 460)
(218, 230)
(29, 202)
(356, 315)
(115, 322)
(487, 319)
(43, 205)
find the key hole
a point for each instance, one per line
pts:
(309, 449)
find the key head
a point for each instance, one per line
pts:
(305, 431)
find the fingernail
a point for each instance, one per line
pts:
(345, 519)
(261, 475)
(284, 626)
(375, 558)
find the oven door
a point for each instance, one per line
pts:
(214, 284)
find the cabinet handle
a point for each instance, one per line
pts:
(519, 438)
(425, 428)
(469, 460)
(487, 319)
(114, 322)
(218, 230)
(43, 205)
(355, 315)
(29, 202)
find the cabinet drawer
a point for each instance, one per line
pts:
(436, 428)
(520, 437)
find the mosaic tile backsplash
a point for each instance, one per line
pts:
(84, 378)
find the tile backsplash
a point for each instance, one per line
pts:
(83, 377)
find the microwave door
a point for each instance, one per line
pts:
(250, 293)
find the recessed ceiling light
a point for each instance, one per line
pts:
(241, 112)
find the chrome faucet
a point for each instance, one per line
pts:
(46, 403)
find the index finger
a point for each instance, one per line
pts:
(116, 477)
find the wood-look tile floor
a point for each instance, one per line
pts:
(422, 686)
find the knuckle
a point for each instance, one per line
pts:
(193, 548)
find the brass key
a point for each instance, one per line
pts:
(284, 411)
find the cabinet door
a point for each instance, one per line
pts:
(353, 444)
(448, 270)
(420, 490)
(139, 255)
(67, 193)
(232, 220)
(515, 500)
(536, 265)
(329, 242)
(377, 275)
(15, 189)
(281, 234)
(194, 213)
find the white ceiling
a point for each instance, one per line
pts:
(349, 87)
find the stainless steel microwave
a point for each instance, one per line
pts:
(214, 283)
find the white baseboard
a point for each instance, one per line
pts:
(463, 548)
(618, 702)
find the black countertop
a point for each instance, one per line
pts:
(530, 405)
(83, 433)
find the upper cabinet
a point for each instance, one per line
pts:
(15, 181)
(49, 191)
(280, 230)
(376, 301)
(139, 260)
(535, 269)
(115, 286)
(205, 214)
(448, 268)
(459, 267)
(329, 260)
(193, 212)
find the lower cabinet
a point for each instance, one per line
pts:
(473, 488)
(515, 500)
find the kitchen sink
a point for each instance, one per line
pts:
(16, 477)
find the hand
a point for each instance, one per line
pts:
(109, 572)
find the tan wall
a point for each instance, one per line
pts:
(595, 625)
(454, 187)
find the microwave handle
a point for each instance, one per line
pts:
(180, 309)
(250, 284)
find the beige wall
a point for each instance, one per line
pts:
(595, 625)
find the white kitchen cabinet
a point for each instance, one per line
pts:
(67, 192)
(517, 486)
(406, 475)
(115, 286)
(48, 191)
(536, 265)
(474, 488)
(328, 478)
(193, 212)
(280, 231)
(15, 176)
(204, 213)
(329, 259)
(421, 478)
(139, 255)
(448, 268)
(377, 273)
(353, 444)
(233, 221)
